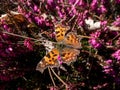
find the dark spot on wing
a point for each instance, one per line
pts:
(52, 52)
(48, 55)
(68, 38)
(71, 40)
(61, 34)
(58, 35)
(57, 32)
(55, 55)
(49, 60)
(53, 59)
(63, 54)
(68, 53)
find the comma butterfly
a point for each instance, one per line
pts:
(67, 54)
(13, 16)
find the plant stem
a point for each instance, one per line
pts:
(51, 77)
(58, 77)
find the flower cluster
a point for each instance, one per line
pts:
(97, 66)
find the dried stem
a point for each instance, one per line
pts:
(19, 35)
(58, 77)
(51, 77)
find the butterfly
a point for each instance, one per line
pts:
(65, 54)
(13, 16)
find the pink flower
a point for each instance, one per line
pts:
(118, 42)
(117, 22)
(108, 67)
(103, 23)
(117, 1)
(36, 8)
(94, 4)
(28, 44)
(50, 2)
(94, 43)
(116, 54)
(59, 59)
(81, 3)
(102, 9)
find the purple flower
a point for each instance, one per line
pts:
(104, 1)
(108, 67)
(9, 50)
(4, 78)
(71, 1)
(109, 61)
(117, 1)
(36, 8)
(28, 16)
(28, 44)
(53, 88)
(103, 23)
(117, 22)
(96, 34)
(102, 9)
(50, 2)
(81, 3)
(20, 10)
(39, 20)
(116, 54)
(28, 2)
(94, 41)
(59, 59)
(94, 4)
(118, 41)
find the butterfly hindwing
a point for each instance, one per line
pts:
(72, 40)
(69, 55)
(50, 60)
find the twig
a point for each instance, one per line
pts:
(21, 36)
(84, 36)
(58, 77)
(51, 77)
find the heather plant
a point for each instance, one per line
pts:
(27, 34)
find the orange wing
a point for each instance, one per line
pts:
(19, 18)
(50, 60)
(69, 55)
(72, 40)
(60, 31)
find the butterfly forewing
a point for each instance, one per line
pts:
(60, 31)
(50, 60)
